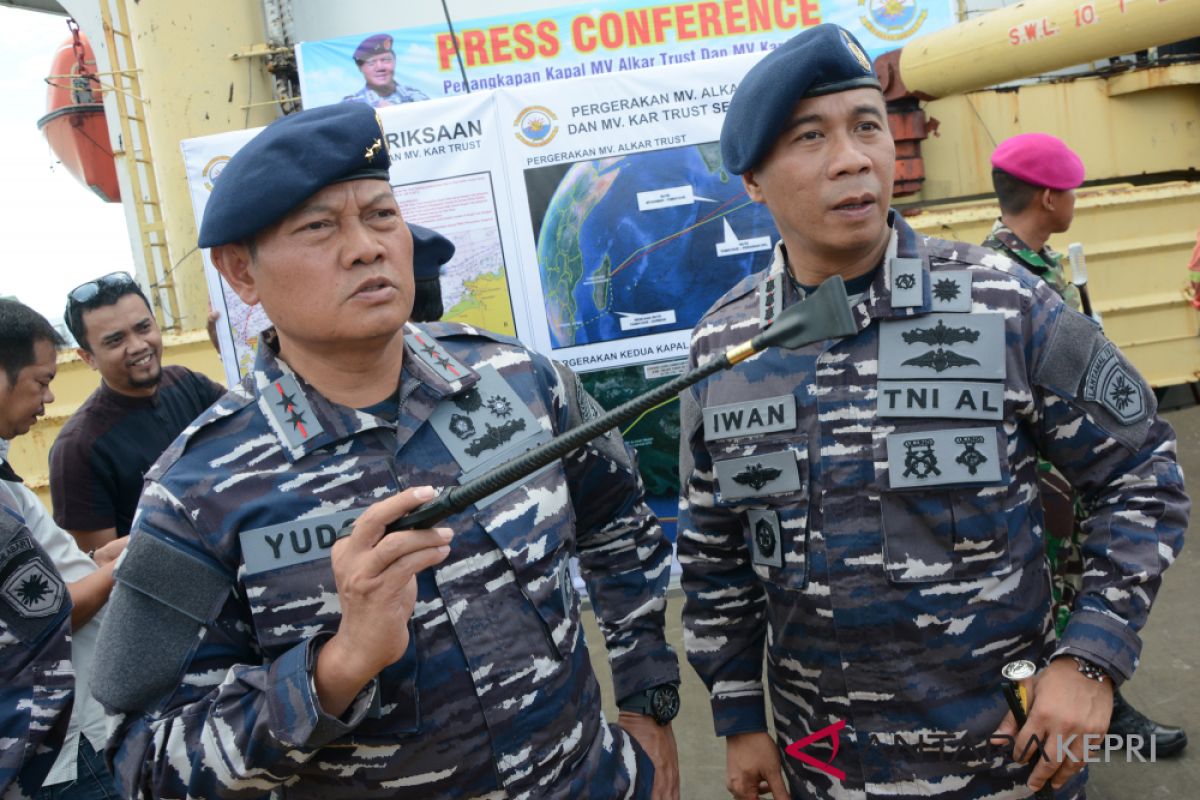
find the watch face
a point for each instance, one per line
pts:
(664, 705)
(1018, 670)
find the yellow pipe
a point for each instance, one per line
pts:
(1039, 36)
(194, 87)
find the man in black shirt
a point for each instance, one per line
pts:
(98, 460)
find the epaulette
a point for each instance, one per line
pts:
(230, 404)
(966, 254)
(458, 330)
(745, 286)
(946, 254)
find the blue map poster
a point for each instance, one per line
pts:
(641, 243)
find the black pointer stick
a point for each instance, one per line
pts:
(824, 314)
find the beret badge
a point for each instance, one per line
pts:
(856, 51)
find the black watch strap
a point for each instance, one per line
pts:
(660, 702)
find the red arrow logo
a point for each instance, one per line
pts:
(830, 731)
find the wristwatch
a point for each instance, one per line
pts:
(660, 702)
(1093, 671)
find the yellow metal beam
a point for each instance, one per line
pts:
(194, 88)
(1039, 36)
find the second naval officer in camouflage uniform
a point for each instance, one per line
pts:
(37, 678)
(440, 663)
(867, 507)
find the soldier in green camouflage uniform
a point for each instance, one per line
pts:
(1044, 263)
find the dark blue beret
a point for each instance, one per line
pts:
(430, 251)
(375, 45)
(821, 60)
(288, 162)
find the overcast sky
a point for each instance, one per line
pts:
(54, 233)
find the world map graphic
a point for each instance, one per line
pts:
(645, 243)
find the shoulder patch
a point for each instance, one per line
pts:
(770, 299)
(1082, 365)
(425, 346)
(289, 412)
(31, 591)
(229, 404)
(1111, 383)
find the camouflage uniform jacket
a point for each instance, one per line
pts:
(495, 696)
(402, 94)
(893, 564)
(1063, 543)
(37, 683)
(1044, 263)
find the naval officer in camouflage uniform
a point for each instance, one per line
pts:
(37, 680)
(284, 643)
(37, 683)
(867, 507)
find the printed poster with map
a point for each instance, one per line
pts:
(635, 226)
(641, 243)
(635, 229)
(445, 159)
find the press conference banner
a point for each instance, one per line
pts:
(576, 41)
